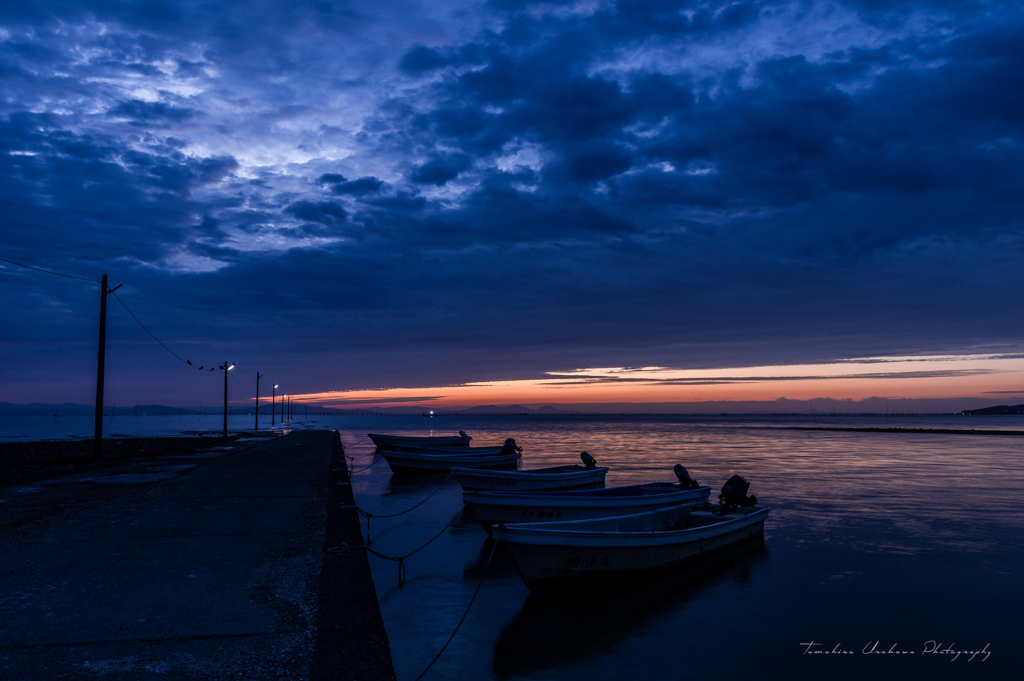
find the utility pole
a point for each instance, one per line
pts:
(226, 369)
(97, 437)
(258, 377)
(283, 398)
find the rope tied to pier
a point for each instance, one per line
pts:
(362, 456)
(366, 468)
(345, 548)
(392, 515)
(463, 618)
(368, 515)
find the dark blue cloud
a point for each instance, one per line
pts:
(339, 184)
(441, 169)
(146, 113)
(324, 212)
(653, 182)
(421, 59)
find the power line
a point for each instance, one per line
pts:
(39, 269)
(241, 381)
(111, 292)
(148, 331)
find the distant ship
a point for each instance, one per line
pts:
(430, 414)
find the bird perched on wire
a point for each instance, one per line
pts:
(189, 362)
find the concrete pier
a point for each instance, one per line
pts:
(211, 565)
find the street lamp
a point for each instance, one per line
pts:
(258, 377)
(284, 398)
(273, 404)
(225, 368)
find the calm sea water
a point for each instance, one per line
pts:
(876, 542)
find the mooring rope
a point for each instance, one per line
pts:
(366, 468)
(368, 515)
(463, 619)
(392, 515)
(345, 548)
(363, 456)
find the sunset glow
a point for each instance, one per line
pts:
(854, 379)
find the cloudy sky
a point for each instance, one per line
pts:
(353, 196)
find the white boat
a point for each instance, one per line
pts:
(415, 462)
(553, 478)
(580, 553)
(556, 477)
(383, 441)
(419, 449)
(531, 507)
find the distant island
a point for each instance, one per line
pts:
(1001, 410)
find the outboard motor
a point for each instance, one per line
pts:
(588, 461)
(685, 481)
(510, 447)
(463, 434)
(734, 494)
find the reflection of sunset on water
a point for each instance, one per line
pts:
(908, 377)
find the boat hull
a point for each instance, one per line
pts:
(411, 462)
(561, 477)
(526, 507)
(461, 451)
(383, 441)
(554, 556)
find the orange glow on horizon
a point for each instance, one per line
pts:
(855, 379)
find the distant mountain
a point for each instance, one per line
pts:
(508, 409)
(41, 409)
(780, 406)
(212, 409)
(1001, 410)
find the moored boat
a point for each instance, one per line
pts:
(553, 478)
(385, 441)
(580, 553)
(419, 449)
(416, 462)
(531, 507)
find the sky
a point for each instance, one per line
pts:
(482, 201)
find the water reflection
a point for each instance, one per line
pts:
(414, 484)
(866, 529)
(502, 564)
(552, 631)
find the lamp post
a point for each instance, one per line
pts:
(273, 404)
(258, 377)
(284, 398)
(225, 368)
(97, 440)
(97, 437)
